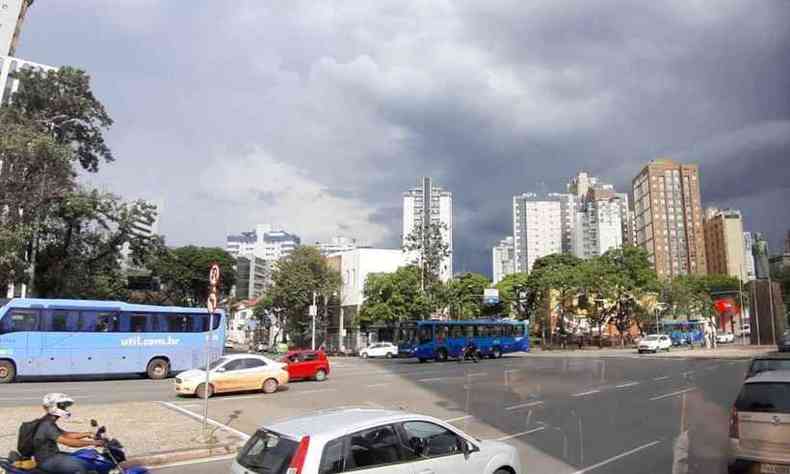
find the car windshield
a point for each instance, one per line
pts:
(267, 453)
(763, 365)
(767, 397)
(651, 338)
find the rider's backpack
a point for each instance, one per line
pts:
(27, 431)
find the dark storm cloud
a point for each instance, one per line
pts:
(331, 111)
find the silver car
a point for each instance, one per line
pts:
(371, 441)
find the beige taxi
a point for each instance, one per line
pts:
(233, 373)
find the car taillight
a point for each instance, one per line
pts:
(297, 461)
(734, 432)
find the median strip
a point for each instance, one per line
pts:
(590, 392)
(673, 394)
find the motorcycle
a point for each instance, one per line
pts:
(470, 352)
(108, 461)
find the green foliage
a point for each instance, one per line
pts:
(430, 248)
(465, 297)
(393, 297)
(517, 295)
(183, 274)
(558, 272)
(295, 278)
(693, 296)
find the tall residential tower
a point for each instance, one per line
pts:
(427, 204)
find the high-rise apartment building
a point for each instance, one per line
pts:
(537, 228)
(253, 277)
(748, 258)
(336, 244)
(597, 228)
(264, 242)
(724, 245)
(668, 217)
(8, 65)
(12, 15)
(503, 263)
(427, 204)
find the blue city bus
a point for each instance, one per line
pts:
(51, 337)
(681, 332)
(440, 340)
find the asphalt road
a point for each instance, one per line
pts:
(564, 414)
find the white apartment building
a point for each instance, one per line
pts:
(12, 14)
(748, 258)
(427, 204)
(264, 242)
(597, 228)
(336, 244)
(537, 229)
(253, 277)
(503, 262)
(8, 65)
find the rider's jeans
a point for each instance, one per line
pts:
(62, 464)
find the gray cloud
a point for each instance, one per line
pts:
(327, 112)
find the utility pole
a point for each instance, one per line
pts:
(313, 313)
(740, 295)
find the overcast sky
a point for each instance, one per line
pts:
(317, 115)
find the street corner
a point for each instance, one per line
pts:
(148, 430)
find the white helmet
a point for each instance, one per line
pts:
(57, 404)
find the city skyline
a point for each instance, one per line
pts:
(500, 124)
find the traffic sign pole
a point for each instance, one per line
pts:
(211, 306)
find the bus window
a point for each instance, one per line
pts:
(508, 331)
(469, 331)
(179, 322)
(425, 334)
(137, 322)
(155, 323)
(442, 331)
(18, 320)
(457, 331)
(106, 322)
(519, 330)
(62, 321)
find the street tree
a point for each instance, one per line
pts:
(430, 249)
(296, 278)
(393, 297)
(183, 274)
(465, 297)
(517, 296)
(557, 273)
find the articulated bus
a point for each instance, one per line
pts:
(440, 340)
(50, 337)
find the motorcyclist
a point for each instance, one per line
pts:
(48, 435)
(470, 351)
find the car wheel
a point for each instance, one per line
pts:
(668, 348)
(389, 355)
(201, 392)
(502, 471)
(320, 376)
(364, 355)
(441, 355)
(158, 369)
(422, 360)
(270, 386)
(7, 371)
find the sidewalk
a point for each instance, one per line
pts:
(729, 351)
(149, 431)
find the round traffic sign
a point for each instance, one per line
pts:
(213, 275)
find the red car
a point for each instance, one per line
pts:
(303, 365)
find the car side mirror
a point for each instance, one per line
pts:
(465, 448)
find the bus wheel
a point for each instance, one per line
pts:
(158, 369)
(7, 371)
(441, 355)
(497, 353)
(423, 360)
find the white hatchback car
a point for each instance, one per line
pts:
(380, 349)
(760, 424)
(654, 343)
(371, 441)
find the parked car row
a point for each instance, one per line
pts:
(248, 372)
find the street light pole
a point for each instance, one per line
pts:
(313, 311)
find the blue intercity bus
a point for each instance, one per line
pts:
(440, 340)
(51, 337)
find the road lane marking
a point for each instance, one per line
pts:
(673, 394)
(478, 374)
(619, 456)
(458, 418)
(193, 461)
(39, 398)
(374, 385)
(666, 377)
(626, 385)
(523, 433)
(524, 405)
(436, 379)
(190, 414)
(320, 390)
(690, 372)
(590, 392)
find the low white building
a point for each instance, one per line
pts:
(354, 267)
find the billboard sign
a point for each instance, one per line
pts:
(490, 296)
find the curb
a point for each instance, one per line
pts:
(181, 455)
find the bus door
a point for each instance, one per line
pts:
(56, 350)
(441, 337)
(18, 327)
(456, 341)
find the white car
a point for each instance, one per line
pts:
(725, 337)
(760, 424)
(380, 349)
(654, 343)
(371, 441)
